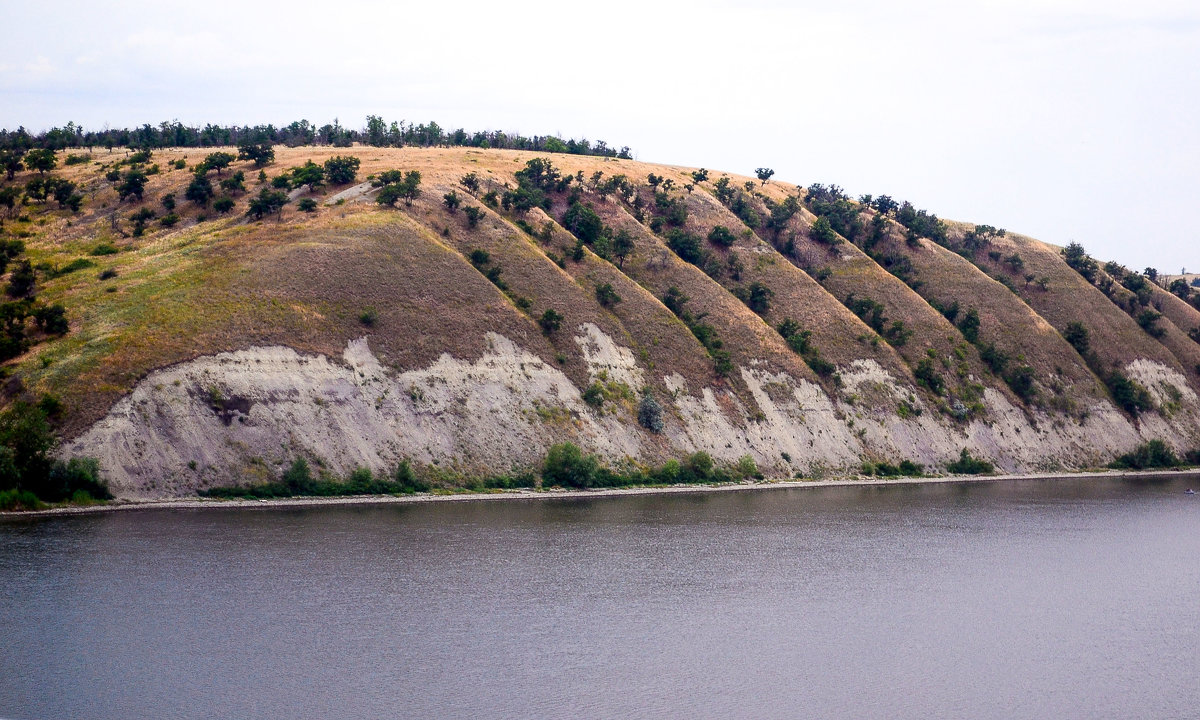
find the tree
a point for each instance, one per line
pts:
(223, 204)
(260, 152)
(622, 246)
(1077, 335)
(341, 169)
(133, 183)
(721, 235)
(583, 222)
(451, 200)
(470, 181)
(822, 232)
(199, 190)
(217, 161)
(21, 280)
(757, 297)
(410, 189)
(267, 202)
(699, 176)
(41, 159)
(310, 174)
(763, 174)
(474, 214)
(10, 160)
(550, 321)
(606, 295)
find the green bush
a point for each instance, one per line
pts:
(1152, 454)
(967, 465)
(14, 499)
(650, 412)
(566, 466)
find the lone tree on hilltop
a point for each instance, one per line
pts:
(763, 174)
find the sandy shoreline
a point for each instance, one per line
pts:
(214, 503)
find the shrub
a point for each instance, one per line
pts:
(104, 249)
(341, 170)
(594, 395)
(77, 475)
(407, 481)
(225, 204)
(566, 466)
(1129, 394)
(550, 321)
(606, 296)
(107, 274)
(368, 317)
(298, 478)
(650, 412)
(307, 205)
(746, 468)
(967, 465)
(16, 499)
(721, 235)
(1153, 454)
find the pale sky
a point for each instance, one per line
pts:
(1061, 119)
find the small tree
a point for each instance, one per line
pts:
(41, 159)
(470, 181)
(310, 174)
(341, 169)
(216, 161)
(260, 152)
(550, 321)
(721, 235)
(622, 246)
(474, 215)
(267, 202)
(11, 161)
(606, 295)
(199, 190)
(133, 184)
(763, 174)
(451, 200)
(699, 176)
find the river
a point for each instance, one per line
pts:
(1026, 599)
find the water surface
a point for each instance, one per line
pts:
(996, 600)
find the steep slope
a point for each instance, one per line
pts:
(467, 333)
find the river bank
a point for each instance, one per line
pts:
(508, 495)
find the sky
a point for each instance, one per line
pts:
(1066, 120)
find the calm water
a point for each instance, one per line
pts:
(1008, 600)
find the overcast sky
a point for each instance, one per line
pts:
(1062, 119)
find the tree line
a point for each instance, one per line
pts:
(377, 132)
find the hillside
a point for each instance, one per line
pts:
(518, 299)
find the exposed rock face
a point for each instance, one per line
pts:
(243, 416)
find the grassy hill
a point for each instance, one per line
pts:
(496, 314)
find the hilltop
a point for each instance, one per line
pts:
(505, 301)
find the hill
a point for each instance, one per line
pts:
(510, 300)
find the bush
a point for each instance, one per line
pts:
(967, 465)
(566, 466)
(721, 235)
(594, 395)
(14, 499)
(550, 321)
(104, 249)
(224, 204)
(1129, 394)
(1153, 454)
(650, 412)
(307, 205)
(368, 317)
(79, 478)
